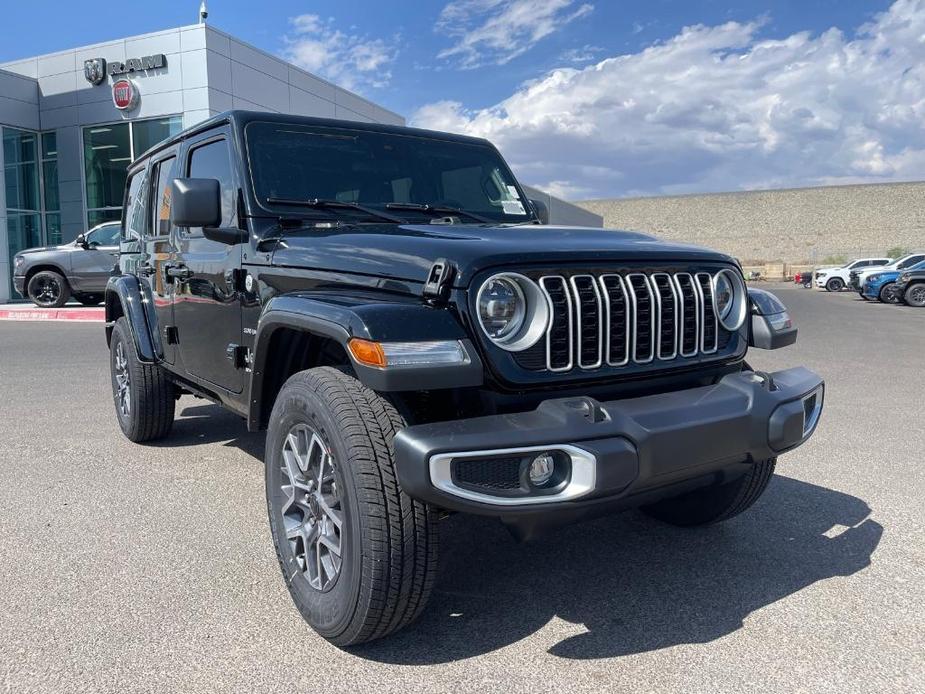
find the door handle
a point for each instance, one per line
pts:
(179, 272)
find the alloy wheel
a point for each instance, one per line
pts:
(313, 515)
(917, 295)
(49, 289)
(123, 382)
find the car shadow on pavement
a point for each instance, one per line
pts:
(201, 424)
(628, 584)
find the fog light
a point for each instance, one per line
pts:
(542, 469)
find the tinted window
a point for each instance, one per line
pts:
(106, 235)
(136, 204)
(214, 161)
(909, 262)
(299, 162)
(164, 174)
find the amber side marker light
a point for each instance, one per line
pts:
(408, 354)
(367, 352)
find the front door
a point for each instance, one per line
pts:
(91, 267)
(207, 304)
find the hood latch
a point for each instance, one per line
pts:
(439, 281)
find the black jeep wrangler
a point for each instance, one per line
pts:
(389, 305)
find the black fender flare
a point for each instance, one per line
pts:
(126, 296)
(341, 318)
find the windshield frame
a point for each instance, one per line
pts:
(321, 214)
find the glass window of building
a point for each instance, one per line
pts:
(108, 151)
(147, 133)
(52, 205)
(21, 179)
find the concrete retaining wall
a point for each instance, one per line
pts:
(804, 225)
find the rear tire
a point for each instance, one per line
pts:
(90, 299)
(915, 295)
(380, 576)
(48, 289)
(836, 284)
(718, 503)
(145, 399)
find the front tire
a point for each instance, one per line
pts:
(887, 294)
(718, 503)
(144, 397)
(915, 295)
(358, 555)
(48, 289)
(836, 284)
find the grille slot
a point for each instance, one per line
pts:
(589, 323)
(667, 326)
(642, 301)
(616, 320)
(709, 334)
(497, 473)
(559, 334)
(689, 314)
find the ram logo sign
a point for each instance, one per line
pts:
(147, 62)
(95, 70)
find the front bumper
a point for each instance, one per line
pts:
(624, 452)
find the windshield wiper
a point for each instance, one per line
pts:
(320, 203)
(438, 209)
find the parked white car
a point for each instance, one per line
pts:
(834, 279)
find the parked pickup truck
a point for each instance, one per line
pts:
(388, 304)
(50, 276)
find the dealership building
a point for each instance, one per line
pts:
(72, 121)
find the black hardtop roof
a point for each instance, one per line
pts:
(238, 119)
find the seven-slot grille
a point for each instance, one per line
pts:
(615, 320)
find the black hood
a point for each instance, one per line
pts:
(407, 252)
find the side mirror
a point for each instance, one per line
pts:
(771, 325)
(195, 202)
(541, 210)
(81, 241)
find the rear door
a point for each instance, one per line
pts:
(207, 305)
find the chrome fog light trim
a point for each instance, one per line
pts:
(580, 482)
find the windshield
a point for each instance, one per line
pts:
(381, 171)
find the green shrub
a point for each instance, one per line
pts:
(897, 252)
(835, 260)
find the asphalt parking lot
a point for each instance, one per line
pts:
(129, 568)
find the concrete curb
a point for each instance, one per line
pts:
(32, 313)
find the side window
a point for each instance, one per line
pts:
(136, 203)
(163, 175)
(213, 160)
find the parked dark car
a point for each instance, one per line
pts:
(50, 276)
(388, 304)
(911, 287)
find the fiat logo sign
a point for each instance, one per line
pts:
(124, 94)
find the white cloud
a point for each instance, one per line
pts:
(353, 61)
(718, 108)
(585, 54)
(497, 31)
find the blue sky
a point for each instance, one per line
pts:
(597, 97)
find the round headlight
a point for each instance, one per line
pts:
(512, 311)
(729, 299)
(502, 307)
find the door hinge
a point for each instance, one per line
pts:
(239, 355)
(439, 281)
(171, 335)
